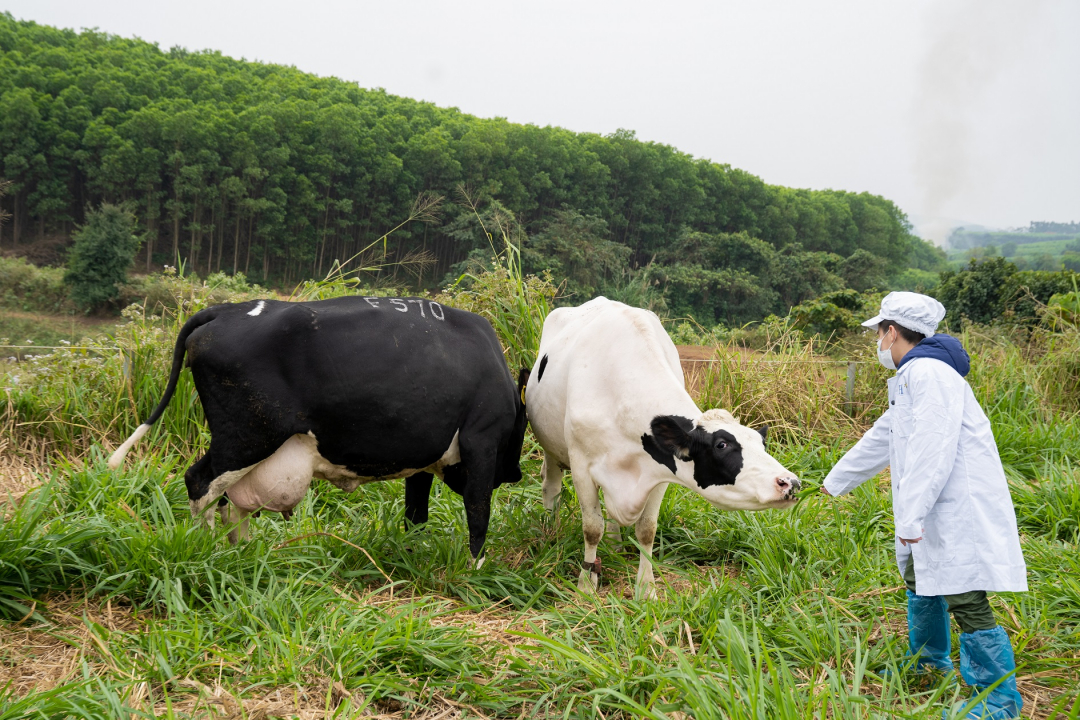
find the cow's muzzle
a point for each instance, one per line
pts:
(788, 487)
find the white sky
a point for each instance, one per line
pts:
(958, 110)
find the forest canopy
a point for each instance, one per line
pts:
(238, 166)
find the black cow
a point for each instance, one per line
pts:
(353, 390)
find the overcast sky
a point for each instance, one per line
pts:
(964, 110)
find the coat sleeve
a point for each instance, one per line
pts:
(937, 407)
(862, 462)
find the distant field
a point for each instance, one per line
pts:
(1028, 250)
(1049, 247)
(36, 330)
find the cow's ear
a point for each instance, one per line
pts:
(672, 433)
(764, 430)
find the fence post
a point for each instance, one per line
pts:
(849, 406)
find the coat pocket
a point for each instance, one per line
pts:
(947, 537)
(902, 418)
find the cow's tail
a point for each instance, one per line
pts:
(197, 320)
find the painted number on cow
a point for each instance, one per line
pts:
(434, 308)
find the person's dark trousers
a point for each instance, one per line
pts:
(986, 655)
(971, 609)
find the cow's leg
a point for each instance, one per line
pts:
(479, 463)
(645, 530)
(417, 492)
(613, 532)
(592, 524)
(454, 477)
(197, 479)
(552, 476)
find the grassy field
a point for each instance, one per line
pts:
(23, 333)
(117, 605)
(1030, 251)
(1045, 247)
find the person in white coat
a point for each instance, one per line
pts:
(956, 534)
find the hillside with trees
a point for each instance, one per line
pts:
(243, 167)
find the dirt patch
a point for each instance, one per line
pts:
(18, 473)
(40, 657)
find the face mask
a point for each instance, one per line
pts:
(885, 356)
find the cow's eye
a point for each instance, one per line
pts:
(721, 445)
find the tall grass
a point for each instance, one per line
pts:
(516, 304)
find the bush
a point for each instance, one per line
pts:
(170, 291)
(1026, 292)
(975, 292)
(688, 333)
(103, 251)
(26, 287)
(915, 280)
(863, 270)
(995, 291)
(1063, 311)
(1071, 260)
(834, 314)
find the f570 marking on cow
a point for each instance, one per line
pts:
(609, 402)
(342, 390)
(402, 305)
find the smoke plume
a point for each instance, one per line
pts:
(971, 42)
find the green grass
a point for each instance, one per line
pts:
(788, 613)
(761, 615)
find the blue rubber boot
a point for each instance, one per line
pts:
(986, 656)
(928, 632)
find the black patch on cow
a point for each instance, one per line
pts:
(764, 430)
(672, 433)
(717, 456)
(718, 460)
(540, 371)
(657, 453)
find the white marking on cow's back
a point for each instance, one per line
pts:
(258, 308)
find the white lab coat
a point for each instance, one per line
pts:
(947, 481)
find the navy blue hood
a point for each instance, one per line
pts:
(941, 347)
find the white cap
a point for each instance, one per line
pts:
(920, 313)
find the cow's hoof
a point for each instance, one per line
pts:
(234, 537)
(588, 581)
(478, 563)
(552, 504)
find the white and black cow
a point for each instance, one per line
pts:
(607, 400)
(351, 390)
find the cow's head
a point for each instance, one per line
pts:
(727, 461)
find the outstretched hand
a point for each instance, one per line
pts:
(905, 541)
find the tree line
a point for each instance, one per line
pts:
(248, 167)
